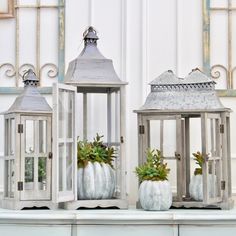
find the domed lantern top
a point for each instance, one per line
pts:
(30, 100)
(91, 68)
(195, 92)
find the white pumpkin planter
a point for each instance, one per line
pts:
(155, 195)
(196, 186)
(96, 181)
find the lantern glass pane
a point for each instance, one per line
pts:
(218, 174)
(195, 141)
(7, 133)
(101, 115)
(7, 178)
(61, 113)
(155, 134)
(65, 113)
(42, 136)
(29, 136)
(29, 173)
(69, 114)
(162, 136)
(211, 137)
(169, 138)
(12, 136)
(115, 115)
(12, 178)
(42, 172)
(118, 173)
(61, 159)
(69, 152)
(213, 182)
(97, 116)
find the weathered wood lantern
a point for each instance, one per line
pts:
(101, 102)
(28, 144)
(185, 116)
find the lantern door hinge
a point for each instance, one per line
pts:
(121, 139)
(222, 128)
(222, 185)
(141, 129)
(20, 128)
(20, 186)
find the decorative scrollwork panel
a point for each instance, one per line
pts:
(46, 70)
(223, 73)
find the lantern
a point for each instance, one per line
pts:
(185, 116)
(28, 149)
(101, 111)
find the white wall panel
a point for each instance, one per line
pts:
(161, 42)
(189, 36)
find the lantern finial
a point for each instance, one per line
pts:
(30, 79)
(90, 36)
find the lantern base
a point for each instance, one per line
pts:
(104, 203)
(20, 205)
(197, 204)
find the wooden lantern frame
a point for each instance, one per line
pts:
(181, 100)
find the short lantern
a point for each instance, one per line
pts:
(28, 149)
(101, 109)
(185, 120)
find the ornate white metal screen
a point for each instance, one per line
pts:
(27, 25)
(222, 67)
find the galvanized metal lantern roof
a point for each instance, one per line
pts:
(194, 92)
(30, 100)
(91, 67)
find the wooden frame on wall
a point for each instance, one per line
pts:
(215, 71)
(10, 10)
(16, 70)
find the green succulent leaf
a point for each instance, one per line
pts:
(199, 158)
(95, 151)
(154, 168)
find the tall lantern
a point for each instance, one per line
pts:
(28, 149)
(101, 102)
(185, 119)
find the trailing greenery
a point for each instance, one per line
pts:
(95, 151)
(198, 157)
(154, 168)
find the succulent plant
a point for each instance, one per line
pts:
(95, 151)
(154, 168)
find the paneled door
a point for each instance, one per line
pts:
(36, 157)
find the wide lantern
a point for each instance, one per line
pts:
(185, 120)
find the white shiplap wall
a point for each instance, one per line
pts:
(144, 38)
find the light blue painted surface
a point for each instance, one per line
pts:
(207, 230)
(120, 230)
(35, 230)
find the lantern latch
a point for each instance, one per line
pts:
(20, 128)
(141, 129)
(222, 185)
(222, 128)
(50, 155)
(20, 186)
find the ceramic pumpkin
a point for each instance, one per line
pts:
(96, 181)
(155, 195)
(96, 174)
(196, 186)
(155, 190)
